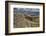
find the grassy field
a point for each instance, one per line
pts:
(22, 20)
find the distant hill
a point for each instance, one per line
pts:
(28, 11)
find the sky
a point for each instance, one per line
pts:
(29, 11)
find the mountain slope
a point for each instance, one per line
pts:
(22, 20)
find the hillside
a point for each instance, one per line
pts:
(22, 20)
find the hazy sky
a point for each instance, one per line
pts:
(29, 11)
(26, 9)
